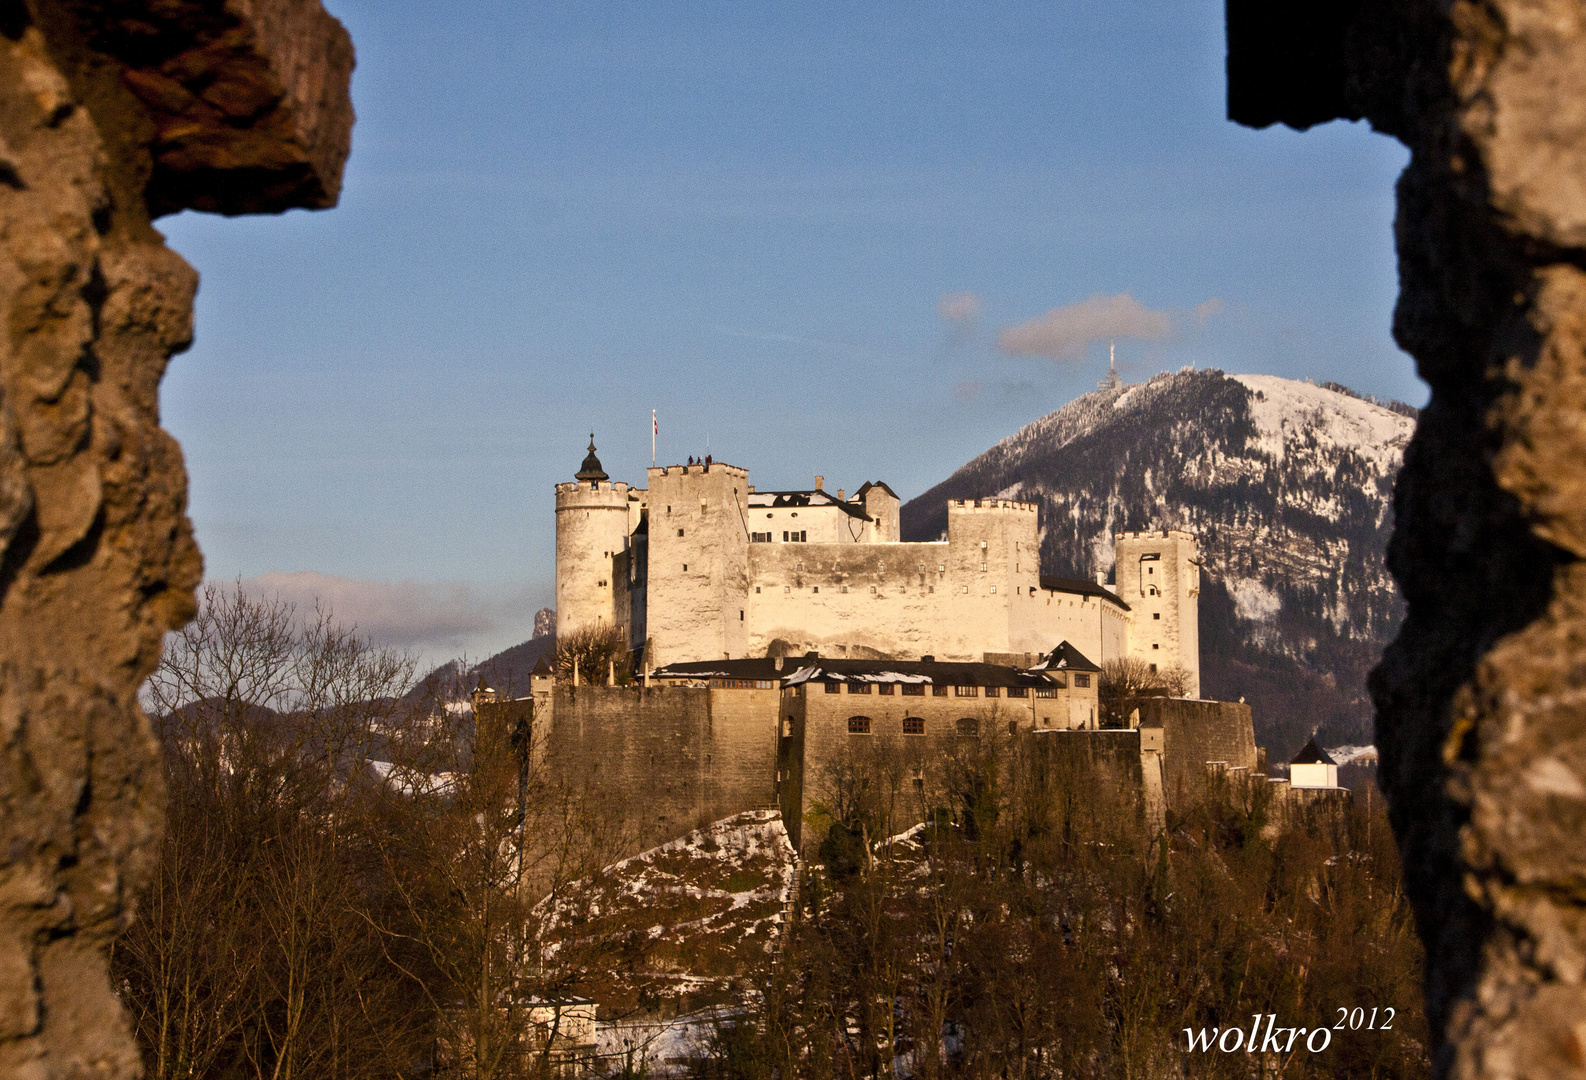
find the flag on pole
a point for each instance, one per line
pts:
(655, 429)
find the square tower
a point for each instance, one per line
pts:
(698, 563)
(1158, 575)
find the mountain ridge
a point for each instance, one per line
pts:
(1288, 488)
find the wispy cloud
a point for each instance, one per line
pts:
(1065, 332)
(434, 619)
(1207, 308)
(959, 307)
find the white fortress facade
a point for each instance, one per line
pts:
(699, 565)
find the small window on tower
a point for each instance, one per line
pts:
(680, 532)
(1156, 614)
(1083, 680)
(685, 568)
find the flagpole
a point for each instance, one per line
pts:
(655, 427)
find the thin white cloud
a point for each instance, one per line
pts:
(960, 307)
(1207, 308)
(431, 619)
(1064, 333)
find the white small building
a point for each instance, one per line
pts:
(1312, 768)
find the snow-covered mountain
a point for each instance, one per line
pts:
(1288, 486)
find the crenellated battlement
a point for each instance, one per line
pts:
(1156, 534)
(698, 469)
(988, 505)
(593, 487)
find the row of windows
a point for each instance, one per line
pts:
(915, 725)
(789, 536)
(743, 684)
(1081, 679)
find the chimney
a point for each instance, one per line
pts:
(839, 494)
(928, 659)
(819, 480)
(1101, 577)
(776, 663)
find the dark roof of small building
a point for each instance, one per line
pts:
(591, 469)
(1066, 658)
(1311, 754)
(542, 668)
(799, 669)
(1081, 587)
(868, 484)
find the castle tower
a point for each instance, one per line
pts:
(1158, 576)
(591, 550)
(698, 563)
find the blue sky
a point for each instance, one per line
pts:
(746, 217)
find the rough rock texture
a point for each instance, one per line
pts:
(1482, 700)
(106, 122)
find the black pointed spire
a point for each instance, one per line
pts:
(591, 470)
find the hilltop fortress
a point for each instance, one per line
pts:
(777, 635)
(700, 566)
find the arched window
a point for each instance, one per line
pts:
(969, 726)
(859, 725)
(914, 725)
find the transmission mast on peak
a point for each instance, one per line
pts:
(1111, 382)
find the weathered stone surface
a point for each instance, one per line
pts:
(1482, 700)
(97, 559)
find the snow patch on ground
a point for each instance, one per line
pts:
(1286, 411)
(1253, 600)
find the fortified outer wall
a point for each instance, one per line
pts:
(592, 557)
(1480, 719)
(816, 723)
(1194, 733)
(113, 115)
(698, 563)
(673, 758)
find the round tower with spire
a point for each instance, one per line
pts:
(592, 550)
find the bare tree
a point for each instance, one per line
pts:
(1128, 680)
(253, 957)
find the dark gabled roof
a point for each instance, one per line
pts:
(1080, 587)
(1311, 754)
(1065, 658)
(832, 669)
(868, 484)
(542, 668)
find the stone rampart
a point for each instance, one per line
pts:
(1195, 733)
(671, 757)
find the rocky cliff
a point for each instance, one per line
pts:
(1288, 486)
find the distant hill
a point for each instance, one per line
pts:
(507, 671)
(1286, 484)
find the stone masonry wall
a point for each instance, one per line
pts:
(111, 114)
(1195, 732)
(673, 758)
(1481, 719)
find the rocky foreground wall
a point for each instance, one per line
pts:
(110, 115)
(1481, 702)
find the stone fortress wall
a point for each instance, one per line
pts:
(710, 569)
